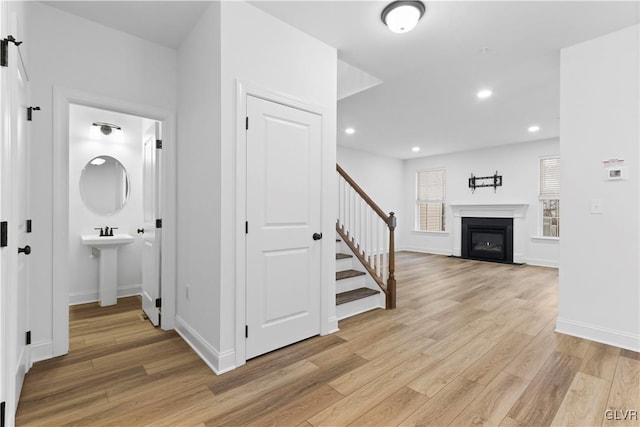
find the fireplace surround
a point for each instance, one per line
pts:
(487, 239)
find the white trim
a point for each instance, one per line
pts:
(84, 297)
(436, 233)
(328, 323)
(218, 362)
(62, 97)
(599, 334)
(41, 351)
(542, 262)
(422, 250)
(549, 239)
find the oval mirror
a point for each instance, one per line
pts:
(104, 185)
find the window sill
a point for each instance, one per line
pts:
(437, 233)
(545, 238)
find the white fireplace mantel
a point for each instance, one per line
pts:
(517, 211)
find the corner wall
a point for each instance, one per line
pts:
(600, 253)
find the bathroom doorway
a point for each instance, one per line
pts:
(114, 235)
(114, 208)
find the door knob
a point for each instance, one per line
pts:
(140, 230)
(26, 250)
(317, 236)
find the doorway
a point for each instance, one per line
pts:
(65, 101)
(114, 245)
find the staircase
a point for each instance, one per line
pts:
(365, 260)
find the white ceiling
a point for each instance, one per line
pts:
(431, 75)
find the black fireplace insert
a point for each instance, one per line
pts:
(487, 239)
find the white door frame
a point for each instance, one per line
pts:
(62, 97)
(328, 319)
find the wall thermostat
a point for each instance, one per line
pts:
(614, 170)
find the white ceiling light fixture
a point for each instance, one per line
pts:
(484, 94)
(402, 16)
(415, 149)
(349, 131)
(533, 129)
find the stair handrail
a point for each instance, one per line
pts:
(391, 221)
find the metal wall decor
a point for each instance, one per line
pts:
(496, 181)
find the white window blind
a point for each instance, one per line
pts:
(430, 198)
(550, 178)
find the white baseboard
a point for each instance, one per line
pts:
(598, 334)
(426, 250)
(330, 327)
(218, 362)
(41, 351)
(542, 262)
(84, 297)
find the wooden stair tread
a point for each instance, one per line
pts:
(346, 274)
(343, 256)
(356, 294)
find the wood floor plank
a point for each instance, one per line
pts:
(393, 410)
(600, 360)
(625, 394)
(540, 401)
(442, 409)
(584, 403)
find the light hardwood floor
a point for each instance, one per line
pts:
(470, 343)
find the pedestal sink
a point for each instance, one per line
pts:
(107, 248)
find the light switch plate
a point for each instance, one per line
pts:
(597, 206)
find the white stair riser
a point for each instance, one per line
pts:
(350, 284)
(347, 264)
(359, 306)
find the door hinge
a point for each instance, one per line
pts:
(30, 111)
(246, 227)
(158, 302)
(3, 234)
(28, 338)
(2, 406)
(159, 144)
(158, 223)
(246, 124)
(246, 331)
(28, 226)
(4, 50)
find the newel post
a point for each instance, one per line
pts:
(391, 281)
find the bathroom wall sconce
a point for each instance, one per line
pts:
(106, 128)
(402, 16)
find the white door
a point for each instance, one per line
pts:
(284, 156)
(151, 237)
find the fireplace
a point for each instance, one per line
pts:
(487, 239)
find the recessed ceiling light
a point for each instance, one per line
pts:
(415, 149)
(533, 128)
(402, 16)
(484, 94)
(349, 131)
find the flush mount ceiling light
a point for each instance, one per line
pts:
(533, 129)
(415, 149)
(106, 128)
(98, 161)
(349, 131)
(402, 16)
(484, 94)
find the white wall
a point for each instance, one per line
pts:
(517, 163)
(199, 185)
(85, 143)
(75, 53)
(380, 177)
(255, 48)
(600, 120)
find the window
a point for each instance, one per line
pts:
(550, 196)
(430, 198)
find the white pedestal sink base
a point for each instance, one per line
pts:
(108, 276)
